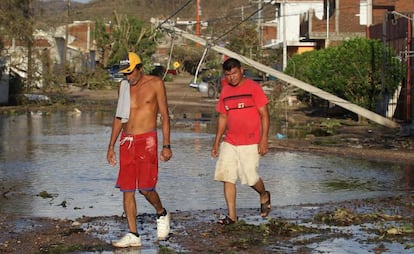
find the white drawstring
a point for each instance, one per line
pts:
(130, 139)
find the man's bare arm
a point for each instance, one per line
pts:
(221, 128)
(166, 153)
(264, 119)
(116, 129)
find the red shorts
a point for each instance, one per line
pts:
(138, 160)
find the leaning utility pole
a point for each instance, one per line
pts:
(288, 79)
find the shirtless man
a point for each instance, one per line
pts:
(147, 97)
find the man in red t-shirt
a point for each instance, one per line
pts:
(244, 120)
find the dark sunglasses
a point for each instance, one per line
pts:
(129, 73)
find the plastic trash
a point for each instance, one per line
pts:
(280, 136)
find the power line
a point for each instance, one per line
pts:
(175, 13)
(242, 21)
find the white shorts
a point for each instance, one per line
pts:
(238, 162)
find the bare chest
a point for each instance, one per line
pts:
(142, 96)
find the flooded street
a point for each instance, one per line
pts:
(65, 155)
(55, 166)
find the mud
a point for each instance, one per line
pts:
(378, 226)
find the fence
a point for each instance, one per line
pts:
(396, 32)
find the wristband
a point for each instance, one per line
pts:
(167, 146)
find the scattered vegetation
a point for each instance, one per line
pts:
(45, 194)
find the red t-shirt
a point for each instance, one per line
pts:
(241, 104)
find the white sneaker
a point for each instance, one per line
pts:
(163, 226)
(127, 240)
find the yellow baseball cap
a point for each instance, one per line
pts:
(128, 62)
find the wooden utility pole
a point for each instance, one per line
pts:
(259, 25)
(30, 43)
(65, 48)
(198, 19)
(284, 50)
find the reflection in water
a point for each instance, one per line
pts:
(64, 155)
(408, 178)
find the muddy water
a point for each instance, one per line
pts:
(54, 165)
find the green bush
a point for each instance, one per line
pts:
(359, 70)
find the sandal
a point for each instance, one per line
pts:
(226, 221)
(265, 207)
